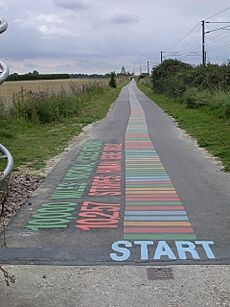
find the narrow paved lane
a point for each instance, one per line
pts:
(135, 190)
(153, 209)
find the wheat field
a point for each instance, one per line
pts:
(51, 87)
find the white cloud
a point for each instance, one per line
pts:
(48, 26)
(33, 19)
(3, 6)
(123, 17)
(71, 4)
(103, 35)
(53, 32)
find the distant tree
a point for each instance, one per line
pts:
(35, 73)
(123, 71)
(112, 81)
(13, 77)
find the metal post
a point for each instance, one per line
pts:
(203, 43)
(148, 67)
(4, 70)
(4, 176)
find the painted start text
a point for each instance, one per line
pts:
(161, 250)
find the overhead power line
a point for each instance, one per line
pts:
(220, 47)
(183, 38)
(190, 40)
(222, 28)
(217, 21)
(219, 38)
(218, 13)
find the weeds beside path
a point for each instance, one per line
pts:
(210, 130)
(32, 141)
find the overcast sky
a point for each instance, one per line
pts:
(99, 36)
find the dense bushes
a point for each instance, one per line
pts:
(194, 86)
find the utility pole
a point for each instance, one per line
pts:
(161, 57)
(204, 32)
(148, 67)
(203, 43)
(140, 70)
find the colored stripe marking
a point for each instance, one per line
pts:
(153, 208)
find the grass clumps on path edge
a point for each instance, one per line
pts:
(33, 143)
(204, 124)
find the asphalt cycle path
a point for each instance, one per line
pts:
(135, 190)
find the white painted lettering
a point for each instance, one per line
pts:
(144, 248)
(163, 249)
(184, 247)
(123, 250)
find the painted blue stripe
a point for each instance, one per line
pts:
(137, 151)
(141, 154)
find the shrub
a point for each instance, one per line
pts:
(193, 98)
(194, 86)
(112, 81)
(221, 102)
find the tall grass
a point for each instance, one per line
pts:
(219, 100)
(204, 122)
(39, 126)
(43, 107)
(67, 87)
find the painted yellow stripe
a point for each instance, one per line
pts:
(151, 192)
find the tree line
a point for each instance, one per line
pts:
(35, 75)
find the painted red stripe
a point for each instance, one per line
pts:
(155, 199)
(139, 142)
(139, 147)
(137, 134)
(149, 193)
(158, 230)
(152, 208)
(152, 199)
(135, 197)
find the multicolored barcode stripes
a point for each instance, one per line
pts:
(153, 209)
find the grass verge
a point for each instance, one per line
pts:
(204, 124)
(32, 143)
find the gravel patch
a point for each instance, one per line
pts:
(21, 188)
